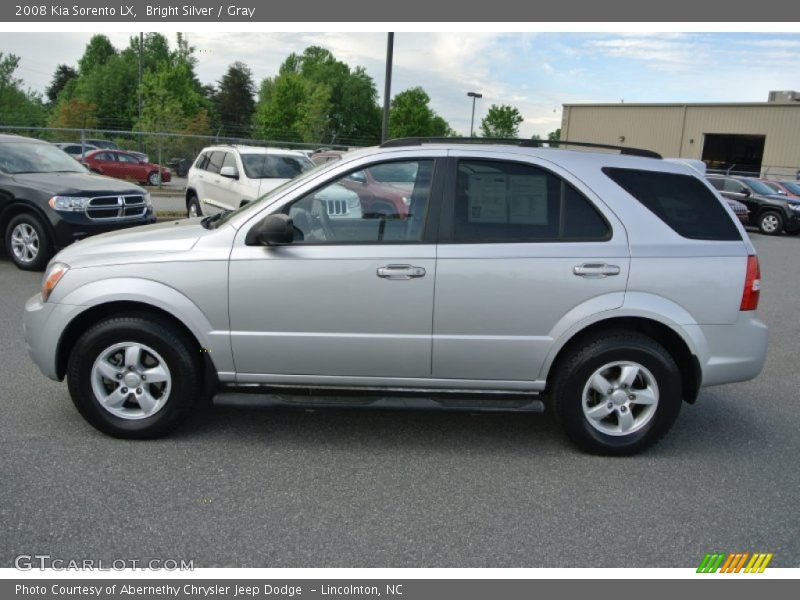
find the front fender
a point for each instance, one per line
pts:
(158, 295)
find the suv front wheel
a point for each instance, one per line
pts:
(134, 376)
(28, 243)
(617, 393)
(770, 223)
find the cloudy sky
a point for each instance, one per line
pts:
(536, 72)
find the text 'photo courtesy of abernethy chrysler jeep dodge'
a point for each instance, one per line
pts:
(606, 288)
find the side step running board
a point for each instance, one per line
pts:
(387, 402)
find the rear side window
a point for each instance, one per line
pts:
(506, 202)
(681, 201)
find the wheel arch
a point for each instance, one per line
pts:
(18, 207)
(681, 348)
(94, 314)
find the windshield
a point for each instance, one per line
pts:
(274, 166)
(759, 187)
(273, 193)
(793, 187)
(31, 157)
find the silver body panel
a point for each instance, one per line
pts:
(483, 316)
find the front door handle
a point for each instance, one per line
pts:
(595, 270)
(400, 272)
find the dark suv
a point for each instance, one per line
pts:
(772, 213)
(48, 201)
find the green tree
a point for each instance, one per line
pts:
(98, 52)
(74, 114)
(62, 76)
(411, 116)
(233, 101)
(350, 114)
(554, 136)
(18, 106)
(501, 122)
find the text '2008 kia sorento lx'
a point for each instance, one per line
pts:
(608, 288)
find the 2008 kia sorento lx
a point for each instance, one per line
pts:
(607, 287)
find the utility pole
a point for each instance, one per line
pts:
(387, 88)
(473, 95)
(141, 51)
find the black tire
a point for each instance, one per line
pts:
(770, 222)
(583, 360)
(180, 354)
(44, 243)
(153, 178)
(193, 204)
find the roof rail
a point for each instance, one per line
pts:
(418, 141)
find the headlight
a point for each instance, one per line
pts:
(52, 276)
(794, 207)
(148, 202)
(68, 203)
(406, 200)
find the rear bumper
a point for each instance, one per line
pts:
(730, 353)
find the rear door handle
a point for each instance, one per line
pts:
(595, 270)
(400, 272)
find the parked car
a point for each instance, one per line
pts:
(76, 150)
(607, 288)
(125, 165)
(384, 190)
(223, 177)
(47, 201)
(320, 157)
(740, 210)
(791, 189)
(105, 144)
(770, 212)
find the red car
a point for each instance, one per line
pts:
(384, 189)
(125, 165)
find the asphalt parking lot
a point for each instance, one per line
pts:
(262, 488)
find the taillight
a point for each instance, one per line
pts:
(752, 285)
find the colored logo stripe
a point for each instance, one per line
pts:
(734, 562)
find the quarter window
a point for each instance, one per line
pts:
(502, 202)
(682, 201)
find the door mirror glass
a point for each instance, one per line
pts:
(275, 230)
(358, 177)
(229, 172)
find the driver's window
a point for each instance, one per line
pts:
(360, 207)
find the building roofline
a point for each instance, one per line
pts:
(680, 104)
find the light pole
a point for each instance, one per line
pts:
(473, 95)
(387, 87)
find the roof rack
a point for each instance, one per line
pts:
(418, 141)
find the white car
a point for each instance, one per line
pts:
(225, 177)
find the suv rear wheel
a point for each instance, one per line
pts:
(193, 207)
(28, 243)
(134, 377)
(617, 393)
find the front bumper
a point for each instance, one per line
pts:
(72, 227)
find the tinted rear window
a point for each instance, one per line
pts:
(681, 201)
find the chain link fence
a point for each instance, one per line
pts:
(174, 150)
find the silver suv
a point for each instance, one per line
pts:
(608, 288)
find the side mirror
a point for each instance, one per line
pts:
(747, 193)
(274, 230)
(229, 172)
(358, 177)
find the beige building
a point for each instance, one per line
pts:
(752, 137)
